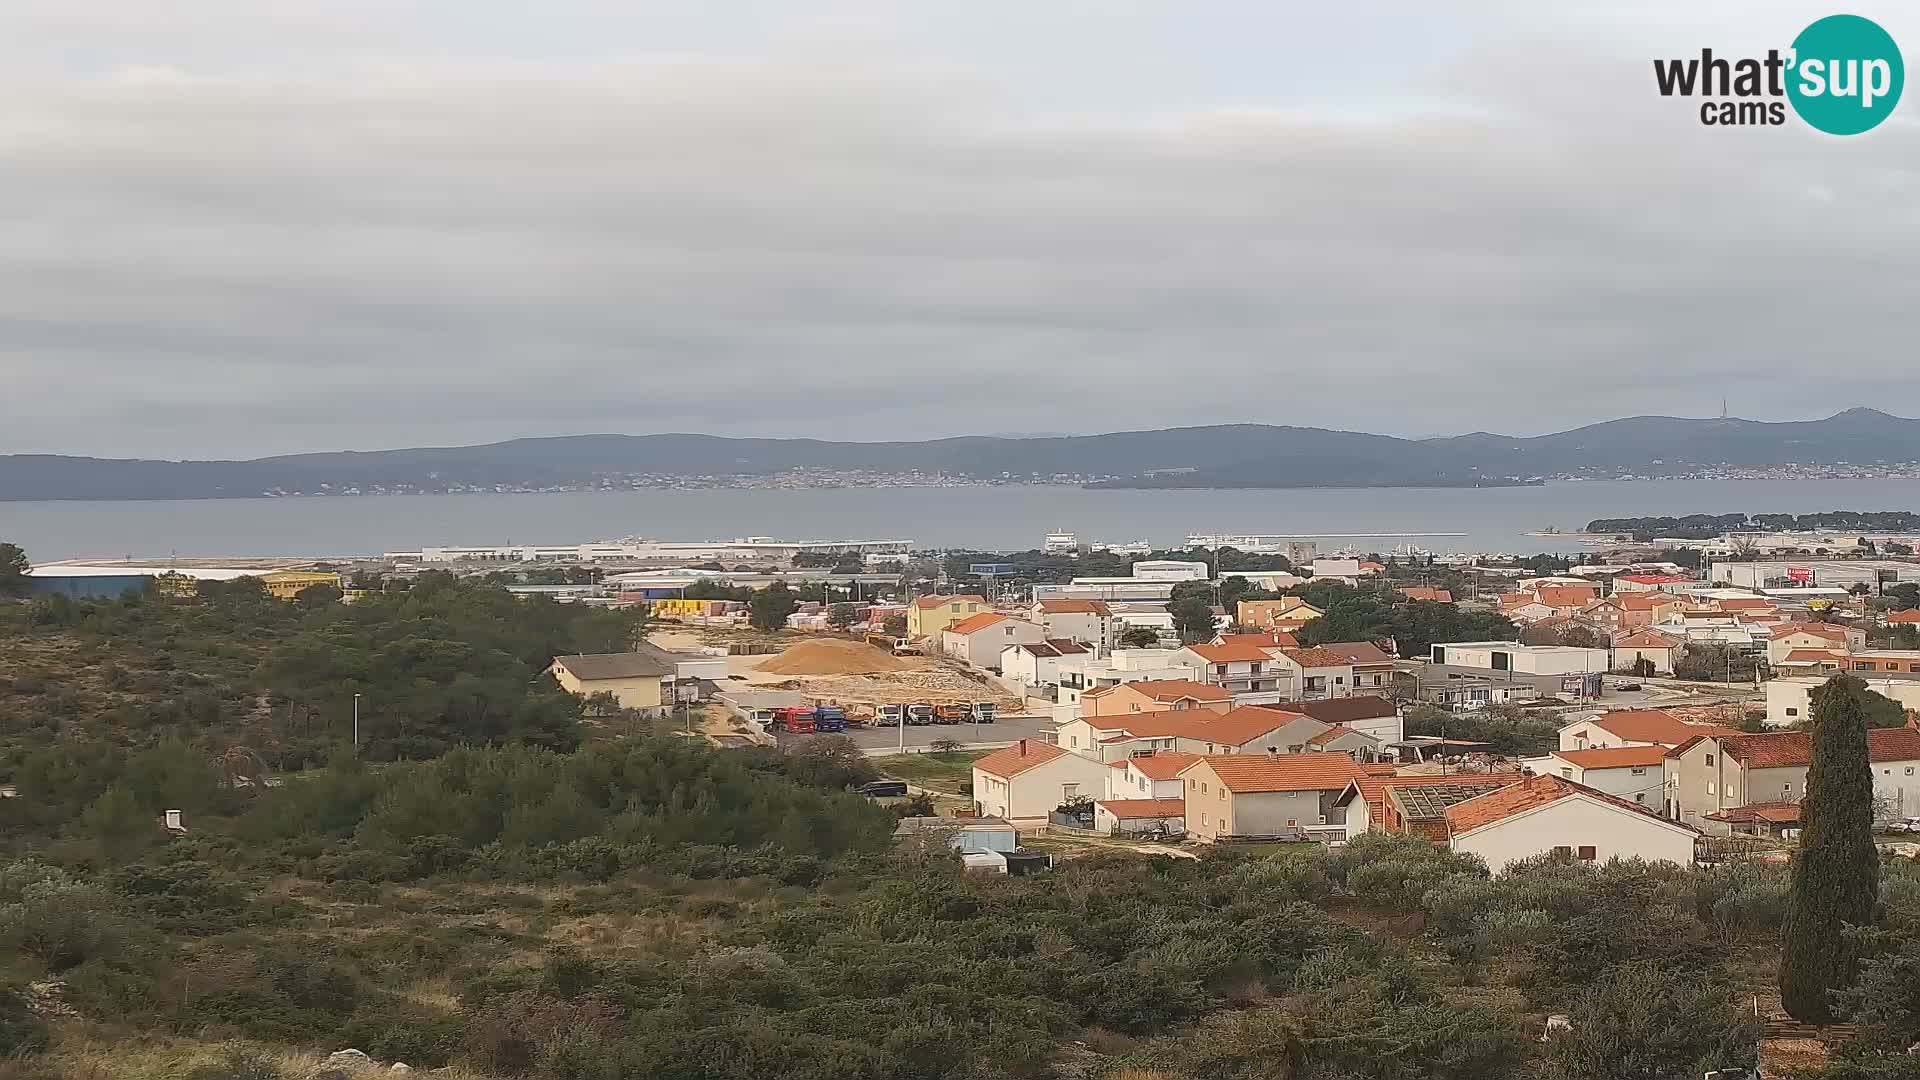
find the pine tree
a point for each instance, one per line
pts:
(1836, 872)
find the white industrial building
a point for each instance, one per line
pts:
(1523, 659)
(635, 549)
(1772, 574)
(1170, 570)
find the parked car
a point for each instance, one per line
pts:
(1626, 686)
(883, 789)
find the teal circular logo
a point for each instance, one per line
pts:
(1846, 75)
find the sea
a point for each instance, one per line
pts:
(1005, 518)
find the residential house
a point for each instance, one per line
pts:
(1790, 697)
(1080, 674)
(1631, 611)
(1242, 670)
(1357, 745)
(978, 640)
(1414, 803)
(1656, 649)
(1318, 672)
(1523, 659)
(1347, 570)
(1029, 779)
(1909, 617)
(1864, 662)
(1423, 592)
(1553, 815)
(1773, 819)
(928, 616)
(1524, 610)
(1242, 795)
(1805, 662)
(1633, 727)
(1372, 667)
(1266, 639)
(1089, 622)
(1634, 773)
(1368, 714)
(1786, 637)
(1245, 730)
(1153, 695)
(1149, 774)
(1037, 663)
(635, 680)
(1288, 613)
(1711, 773)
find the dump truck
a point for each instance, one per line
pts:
(919, 714)
(829, 718)
(952, 714)
(798, 720)
(890, 715)
(983, 712)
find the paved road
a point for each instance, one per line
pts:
(1002, 732)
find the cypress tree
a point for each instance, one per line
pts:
(1836, 872)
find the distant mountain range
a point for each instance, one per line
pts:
(1224, 456)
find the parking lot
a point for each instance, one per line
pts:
(888, 740)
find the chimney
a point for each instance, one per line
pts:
(1023, 748)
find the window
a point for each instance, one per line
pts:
(1562, 849)
(1792, 711)
(1223, 794)
(1709, 759)
(1710, 790)
(1587, 853)
(1068, 791)
(1568, 773)
(1203, 819)
(1637, 770)
(1203, 787)
(1640, 796)
(1073, 740)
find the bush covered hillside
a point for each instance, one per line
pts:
(485, 891)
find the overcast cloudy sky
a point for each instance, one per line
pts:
(248, 227)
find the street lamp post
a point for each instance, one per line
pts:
(356, 723)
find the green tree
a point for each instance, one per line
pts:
(770, 607)
(1139, 637)
(1192, 618)
(841, 616)
(896, 625)
(1836, 872)
(13, 570)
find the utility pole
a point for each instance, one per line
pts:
(356, 723)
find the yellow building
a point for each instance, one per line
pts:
(637, 680)
(929, 616)
(1288, 613)
(286, 584)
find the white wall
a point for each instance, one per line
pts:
(1649, 784)
(1035, 792)
(1577, 821)
(1896, 786)
(982, 648)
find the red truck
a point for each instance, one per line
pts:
(798, 719)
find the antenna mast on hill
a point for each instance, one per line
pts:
(1723, 408)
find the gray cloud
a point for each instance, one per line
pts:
(312, 226)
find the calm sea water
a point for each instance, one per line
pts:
(1494, 519)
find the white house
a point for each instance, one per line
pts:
(1523, 659)
(1089, 622)
(978, 640)
(1789, 700)
(1787, 637)
(1140, 815)
(1029, 779)
(1368, 714)
(1037, 663)
(1550, 814)
(1079, 674)
(1633, 727)
(1249, 672)
(1148, 775)
(1634, 773)
(1318, 673)
(1655, 648)
(1246, 730)
(1169, 570)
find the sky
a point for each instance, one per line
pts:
(232, 228)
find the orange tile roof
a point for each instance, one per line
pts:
(1825, 630)
(1315, 657)
(1272, 640)
(1011, 761)
(1646, 639)
(973, 623)
(1530, 794)
(1643, 601)
(1813, 655)
(1743, 603)
(1423, 592)
(1904, 618)
(1653, 579)
(1168, 690)
(1230, 654)
(1332, 734)
(1794, 749)
(1244, 724)
(1777, 813)
(1343, 710)
(1562, 596)
(1161, 764)
(1615, 757)
(1143, 808)
(1653, 726)
(924, 602)
(1245, 774)
(1075, 607)
(1358, 652)
(1377, 768)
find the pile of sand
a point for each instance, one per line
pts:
(830, 656)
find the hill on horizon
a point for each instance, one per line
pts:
(1224, 456)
